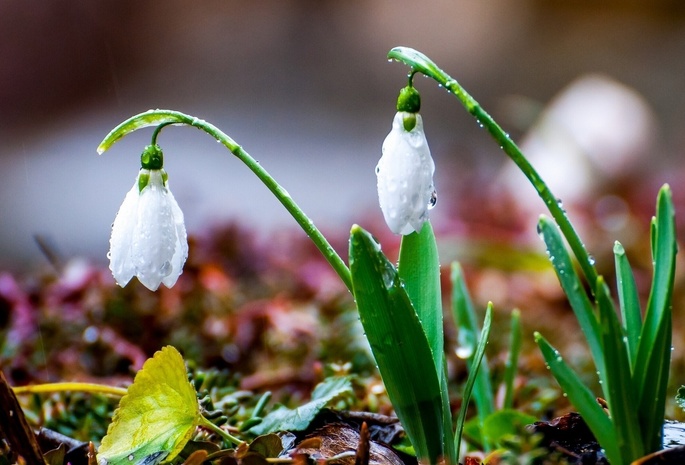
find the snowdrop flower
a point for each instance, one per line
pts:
(148, 235)
(405, 170)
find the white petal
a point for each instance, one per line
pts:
(123, 269)
(154, 237)
(405, 177)
(181, 248)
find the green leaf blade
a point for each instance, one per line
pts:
(582, 398)
(618, 387)
(628, 300)
(464, 315)
(298, 419)
(419, 270)
(573, 288)
(654, 348)
(473, 375)
(399, 345)
(511, 366)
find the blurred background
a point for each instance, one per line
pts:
(305, 87)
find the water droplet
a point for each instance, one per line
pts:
(130, 457)
(591, 260)
(433, 200)
(388, 277)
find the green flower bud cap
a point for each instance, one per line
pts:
(152, 158)
(409, 100)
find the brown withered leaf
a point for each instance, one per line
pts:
(334, 439)
(570, 435)
(14, 427)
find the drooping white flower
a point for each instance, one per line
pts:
(405, 176)
(148, 235)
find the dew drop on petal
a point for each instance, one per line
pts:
(433, 200)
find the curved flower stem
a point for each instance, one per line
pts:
(228, 437)
(418, 62)
(91, 388)
(163, 118)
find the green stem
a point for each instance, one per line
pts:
(419, 62)
(156, 132)
(228, 437)
(66, 387)
(162, 118)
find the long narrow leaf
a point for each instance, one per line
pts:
(399, 345)
(652, 406)
(467, 329)
(654, 349)
(473, 374)
(570, 282)
(447, 438)
(419, 270)
(581, 397)
(512, 361)
(629, 301)
(618, 387)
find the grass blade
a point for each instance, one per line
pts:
(629, 301)
(582, 398)
(618, 387)
(512, 361)
(654, 349)
(473, 374)
(652, 404)
(399, 345)
(467, 327)
(570, 282)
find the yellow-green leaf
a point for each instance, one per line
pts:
(156, 417)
